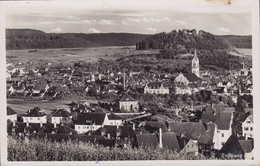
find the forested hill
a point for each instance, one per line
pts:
(32, 39)
(238, 41)
(183, 41)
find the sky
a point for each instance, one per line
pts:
(136, 16)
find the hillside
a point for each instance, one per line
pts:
(183, 41)
(213, 51)
(238, 41)
(32, 39)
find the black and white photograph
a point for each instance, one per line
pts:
(110, 80)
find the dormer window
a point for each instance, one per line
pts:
(248, 122)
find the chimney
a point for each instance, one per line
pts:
(160, 138)
(133, 126)
(55, 125)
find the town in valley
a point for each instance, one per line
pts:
(195, 111)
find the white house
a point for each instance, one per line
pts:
(224, 129)
(61, 116)
(183, 89)
(248, 127)
(35, 115)
(11, 114)
(90, 122)
(156, 88)
(129, 104)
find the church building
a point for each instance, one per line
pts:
(195, 66)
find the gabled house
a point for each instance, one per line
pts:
(35, 115)
(187, 146)
(201, 134)
(61, 116)
(90, 121)
(223, 120)
(241, 149)
(128, 104)
(11, 114)
(248, 127)
(162, 140)
(182, 89)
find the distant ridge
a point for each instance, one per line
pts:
(33, 39)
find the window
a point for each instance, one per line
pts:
(31, 118)
(248, 122)
(246, 128)
(251, 128)
(222, 134)
(38, 118)
(222, 143)
(78, 127)
(53, 118)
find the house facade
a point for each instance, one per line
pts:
(248, 127)
(129, 104)
(35, 115)
(156, 88)
(61, 116)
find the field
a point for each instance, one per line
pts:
(243, 52)
(68, 55)
(21, 106)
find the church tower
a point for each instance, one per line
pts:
(195, 66)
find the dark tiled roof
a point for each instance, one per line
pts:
(61, 113)
(35, 112)
(193, 130)
(223, 120)
(147, 140)
(182, 141)
(65, 130)
(246, 145)
(192, 77)
(126, 97)
(20, 126)
(170, 141)
(113, 117)
(10, 111)
(233, 145)
(96, 118)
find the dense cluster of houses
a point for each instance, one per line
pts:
(211, 133)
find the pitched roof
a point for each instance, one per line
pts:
(113, 117)
(35, 112)
(96, 118)
(170, 141)
(223, 120)
(234, 144)
(194, 130)
(147, 139)
(126, 98)
(182, 141)
(246, 145)
(64, 129)
(192, 77)
(218, 116)
(61, 113)
(10, 111)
